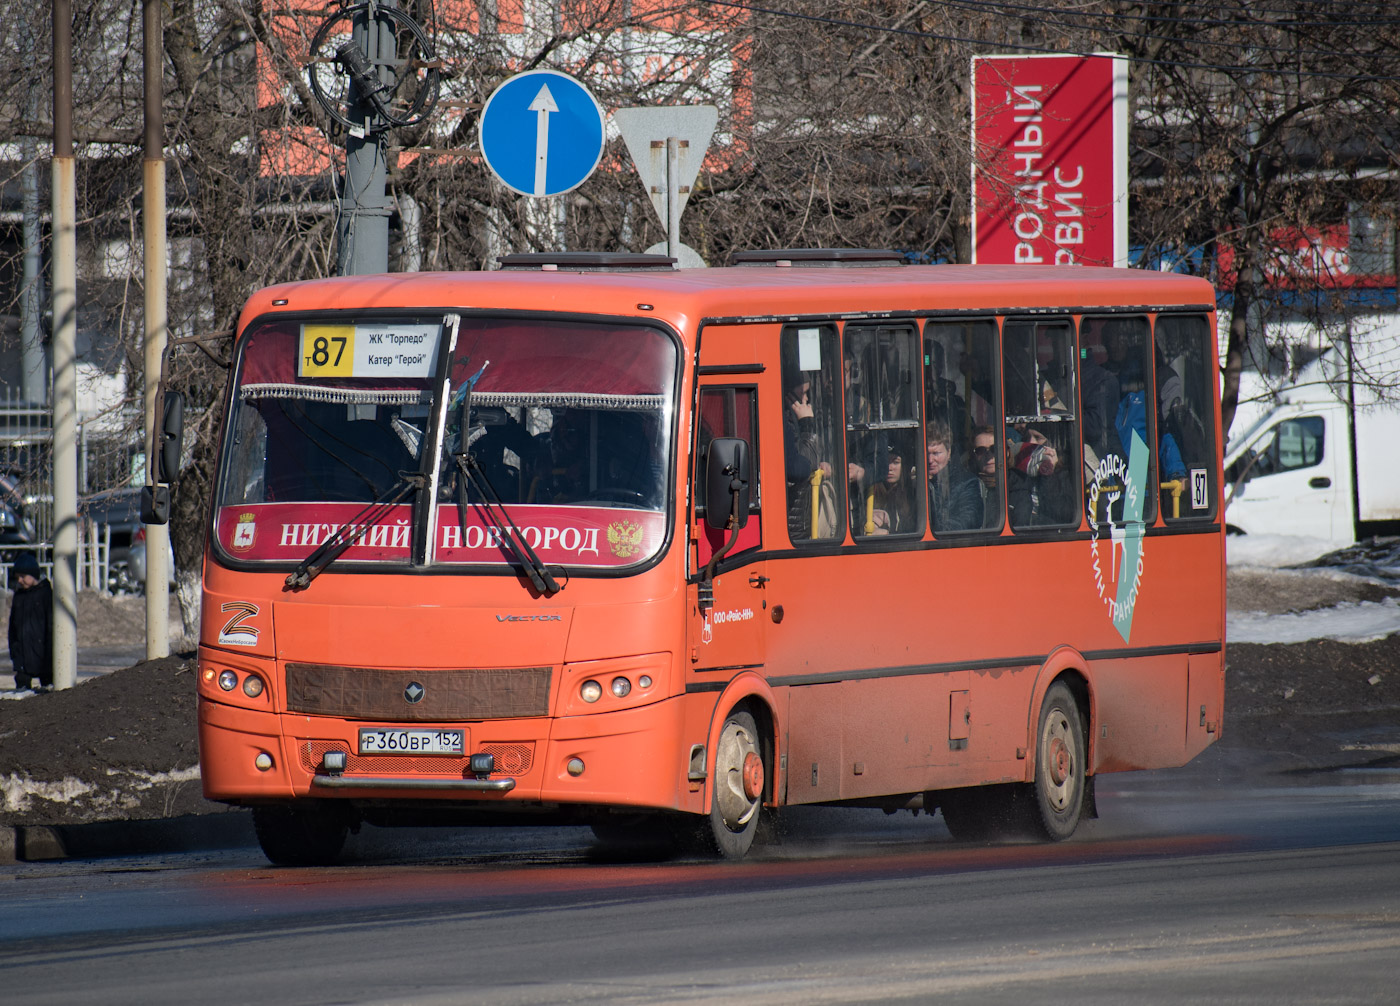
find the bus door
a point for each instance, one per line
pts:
(727, 628)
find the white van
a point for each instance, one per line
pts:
(1325, 461)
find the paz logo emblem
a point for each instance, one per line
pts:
(414, 693)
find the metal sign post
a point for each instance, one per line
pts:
(668, 144)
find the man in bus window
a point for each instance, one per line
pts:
(954, 496)
(983, 463)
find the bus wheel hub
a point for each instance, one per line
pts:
(753, 776)
(1059, 761)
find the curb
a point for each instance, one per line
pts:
(190, 833)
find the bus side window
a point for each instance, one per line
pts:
(959, 401)
(1186, 413)
(816, 496)
(1041, 424)
(726, 412)
(883, 446)
(1117, 403)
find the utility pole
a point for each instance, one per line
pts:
(154, 256)
(362, 232)
(65, 340)
(34, 380)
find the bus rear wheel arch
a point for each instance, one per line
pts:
(1051, 805)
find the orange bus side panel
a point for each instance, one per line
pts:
(1140, 704)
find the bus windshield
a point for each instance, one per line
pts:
(568, 425)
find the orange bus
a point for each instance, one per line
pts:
(584, 539)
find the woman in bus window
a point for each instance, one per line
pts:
(983, 463)
(801, 456)
(894, 509)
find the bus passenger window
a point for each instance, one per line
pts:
(811, 433)
(959, 402)
(1041, 424)
(883, 447)
(1186, 411)
(1115, 376)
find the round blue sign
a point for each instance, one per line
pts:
(542, 133)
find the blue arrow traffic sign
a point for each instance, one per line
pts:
(542, 133)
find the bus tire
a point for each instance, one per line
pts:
(737, 801)
(1059, 785)
(300, 836)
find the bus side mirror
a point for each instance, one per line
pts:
(727, 476)
(155, 504)
(169, 437)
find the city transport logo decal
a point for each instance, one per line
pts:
(1116, 548)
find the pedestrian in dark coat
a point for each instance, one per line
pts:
(31, 625)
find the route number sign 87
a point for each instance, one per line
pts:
(327, 351)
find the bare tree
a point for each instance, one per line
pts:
(842, 123)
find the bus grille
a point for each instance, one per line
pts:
(447, 695)
(513, 759)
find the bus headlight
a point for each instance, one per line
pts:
(252, 686)
(614, 683)
(228, 680)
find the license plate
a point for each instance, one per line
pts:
(380, 740)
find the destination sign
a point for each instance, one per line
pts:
(393, 349)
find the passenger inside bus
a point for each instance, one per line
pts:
(954, 496)
(802, 463)
(983, 462)
(1039, 488)
(893, 508)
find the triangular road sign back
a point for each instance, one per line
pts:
(645, 131)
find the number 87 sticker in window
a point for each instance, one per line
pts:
(327, 351)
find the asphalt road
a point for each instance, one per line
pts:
(1192, 886)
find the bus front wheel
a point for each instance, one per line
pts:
(300, 836)
(737, 802)
(1059, 766)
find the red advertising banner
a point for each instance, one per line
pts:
(563, 535)
(1050, 160)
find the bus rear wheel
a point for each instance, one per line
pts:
(739, 776)
(1059, 785)
(300, 836)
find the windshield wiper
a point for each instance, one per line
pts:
(473, 474)
(352, 531)
(508, 531)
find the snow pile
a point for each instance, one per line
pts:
(1273, 551)
(18, 790)
(1342, 590)
(121, 792)
(1361, 622)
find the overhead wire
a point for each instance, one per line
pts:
(972, 6)
(1027, 47)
